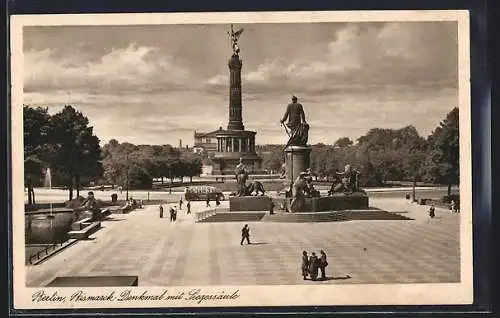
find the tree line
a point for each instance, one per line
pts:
(65, 143)
(136, 166)
(383, 155)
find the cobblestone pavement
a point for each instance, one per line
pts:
(163, 253)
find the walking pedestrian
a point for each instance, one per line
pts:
(305, 265)
(432, 213)
(217, 201)
(188, 206)
(245, 234)
(180, 204)
(161, 211)
(172, 214)
(175, 213)
(453, 206)
(323, 263)
(208, 201)
(271, 207)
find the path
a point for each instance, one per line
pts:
(162, 253)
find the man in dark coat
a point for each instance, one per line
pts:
(172, 214)
(313, 266)
(161, 211)
(271, 207)
(432, 213)
(323, 263)
(245, 234)
(188, 206)
(305, 265)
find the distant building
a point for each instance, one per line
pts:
(205, 141)
(198, 150)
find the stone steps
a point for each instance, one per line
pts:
(234, 217)
(304, 217)
(334, 216)
(86, 231)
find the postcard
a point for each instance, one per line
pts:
(241, 159)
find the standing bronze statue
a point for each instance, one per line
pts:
(299, 128)
(241, 175)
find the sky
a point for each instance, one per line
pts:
(156, 84)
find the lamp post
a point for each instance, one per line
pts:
(127, 180)
(413, 188)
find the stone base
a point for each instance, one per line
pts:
(297, 160)
(335, 202)
(249, 203)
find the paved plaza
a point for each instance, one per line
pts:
(162, 253)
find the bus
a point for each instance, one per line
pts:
(199, 193)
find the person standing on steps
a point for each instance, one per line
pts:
(245, 234)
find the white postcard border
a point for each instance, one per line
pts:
(290, 295)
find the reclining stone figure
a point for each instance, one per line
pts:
(255, 187)
(348, 183)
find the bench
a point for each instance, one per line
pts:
(94, 281)
(85, 232)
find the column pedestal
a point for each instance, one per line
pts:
(297, 160)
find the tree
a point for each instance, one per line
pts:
(272, 157)
(193, 167)
(77, 148)
(442, 164)
(37, 150)
(343, 142)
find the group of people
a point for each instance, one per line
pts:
(312, 265)
(172, 211)
(134, 204)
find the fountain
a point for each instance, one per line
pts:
(47, 183)
(46, 226)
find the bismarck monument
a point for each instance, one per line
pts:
(235, 143)
(301, 196)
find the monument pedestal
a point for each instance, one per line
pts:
(335, 202)
(249, 203)
(297, 160)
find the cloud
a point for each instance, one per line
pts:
(360, 57)
(350, 77)
(130, 68)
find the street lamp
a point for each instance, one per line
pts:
(127, 180)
